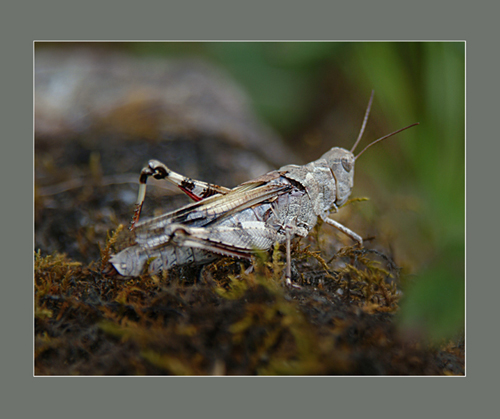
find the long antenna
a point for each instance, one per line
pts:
(365, 120)
(384, 137)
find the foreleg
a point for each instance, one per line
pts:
(344, 230)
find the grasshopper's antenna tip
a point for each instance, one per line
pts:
(384, 137)
(365, 120)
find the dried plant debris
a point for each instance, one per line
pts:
(228, 318)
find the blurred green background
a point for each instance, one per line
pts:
(315, 93)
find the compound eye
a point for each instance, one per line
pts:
(347, 165)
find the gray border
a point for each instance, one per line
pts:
(424, 20)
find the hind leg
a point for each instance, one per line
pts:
(195, 189)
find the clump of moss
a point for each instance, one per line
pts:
(229, 317)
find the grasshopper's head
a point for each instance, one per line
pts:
(341, 163)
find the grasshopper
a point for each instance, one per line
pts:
(275, 207)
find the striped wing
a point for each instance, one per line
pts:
(210, 210)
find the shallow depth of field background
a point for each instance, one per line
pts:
(314, 95)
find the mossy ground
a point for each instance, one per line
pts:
(221, 320)
(218, 319)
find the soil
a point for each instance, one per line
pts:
(224, 318)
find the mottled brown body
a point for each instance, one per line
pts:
(273, 208)
(253, 216)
